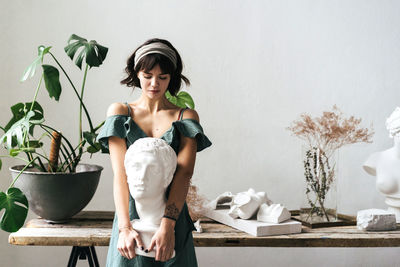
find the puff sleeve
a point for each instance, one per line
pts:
(115, 125)
(189, 128)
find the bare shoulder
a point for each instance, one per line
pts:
(117, 109)
(191, 114)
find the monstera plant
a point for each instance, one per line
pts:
(27, 130)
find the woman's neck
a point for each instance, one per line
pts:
(152, 105)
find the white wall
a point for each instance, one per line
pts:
(254, 67)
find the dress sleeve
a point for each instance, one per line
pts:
(114, 126)
(191, 128)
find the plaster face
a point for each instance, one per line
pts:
(145, 174)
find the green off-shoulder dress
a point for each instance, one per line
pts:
(124, 126)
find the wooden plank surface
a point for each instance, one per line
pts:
(84, 237)
(88, 230)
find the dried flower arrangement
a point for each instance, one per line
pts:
(324, 135)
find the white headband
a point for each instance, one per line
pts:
(158, 48)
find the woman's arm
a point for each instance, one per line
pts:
(164, 239)
(117, 147)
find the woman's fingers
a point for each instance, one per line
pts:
(126, 244)
(169, 253)
(158, 254)
(164, 253)
(139, 242)
(131, 250)
(152, 244)
(121, 247)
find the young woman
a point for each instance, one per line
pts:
(155, 67)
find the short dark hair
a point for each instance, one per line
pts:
(149, 61)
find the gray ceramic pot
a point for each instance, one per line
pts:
(57, 197)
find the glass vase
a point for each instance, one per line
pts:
(320, 180)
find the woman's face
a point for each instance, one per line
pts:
(154, 83)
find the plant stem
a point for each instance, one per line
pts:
(99, 126)
(323, 208)
(80, 108)
(29, 155)
(42, 167)
(16, 178)
(64, 153)
(68, 157)
(36, 92)
(76, 92)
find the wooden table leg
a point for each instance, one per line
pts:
(83, 253)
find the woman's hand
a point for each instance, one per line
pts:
(164, 240)
(127, 240)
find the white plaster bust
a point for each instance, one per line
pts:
(150, 164)
(385, 165)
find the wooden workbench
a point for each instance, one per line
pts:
(93, 228)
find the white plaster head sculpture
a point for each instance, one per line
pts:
(385, 165)
(150, 165)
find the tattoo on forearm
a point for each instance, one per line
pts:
(172, 211)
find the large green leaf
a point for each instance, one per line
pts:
(94, 149)
(91, 139)
(186, 98)
(182, 99)
(31, 69)
(52, 81)
(171, 98)
(19, 111)
(94, 53)
(19, 129)
(16, 208)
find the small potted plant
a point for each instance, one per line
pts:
(55, 186)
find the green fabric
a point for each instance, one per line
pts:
(124, 126)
